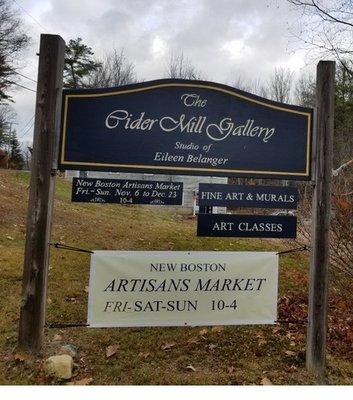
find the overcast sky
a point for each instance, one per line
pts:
(224, 39)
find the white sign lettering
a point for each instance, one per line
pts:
(216, 131)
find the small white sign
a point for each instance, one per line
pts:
(178, 288)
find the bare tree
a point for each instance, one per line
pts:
(279, 85)
(7, 116)
(327, 26)
(304, 91)
(27, 154)
(254, 86)
(180, 67)
(114, 70)
(341, 230)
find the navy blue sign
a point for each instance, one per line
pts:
(252, 226)
(248, 196)
(184, 127)
(126, 191)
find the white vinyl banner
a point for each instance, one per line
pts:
(178, 288)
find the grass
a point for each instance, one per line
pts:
(237, 355)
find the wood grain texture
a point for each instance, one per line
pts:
(319, 262)
(40, 205)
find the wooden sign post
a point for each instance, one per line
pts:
(45, 149)
(318, 290)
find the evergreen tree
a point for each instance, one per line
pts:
(16, 157)
(343, 113)
(79, 64)
(12, 41)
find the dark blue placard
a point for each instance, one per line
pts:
(248, 196)
(184, 127)
(122, 191)
(252, 226)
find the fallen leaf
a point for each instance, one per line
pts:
(82, 361)
(168, 346)
(86, 289)
(217, 329)
(110, 351)
(230, 369)
(20, 357)
(262, 342)
(57, 338)
(289, 353)
(190, 368)
(265, 381)
(276, 329)
(144, 354)
(9, 238)
(212, 346)
(203, 332)
(82, 382)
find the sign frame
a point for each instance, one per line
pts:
(129, 195)
(246, 193)
(68, 94)
(246, 263)
(268, 230)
